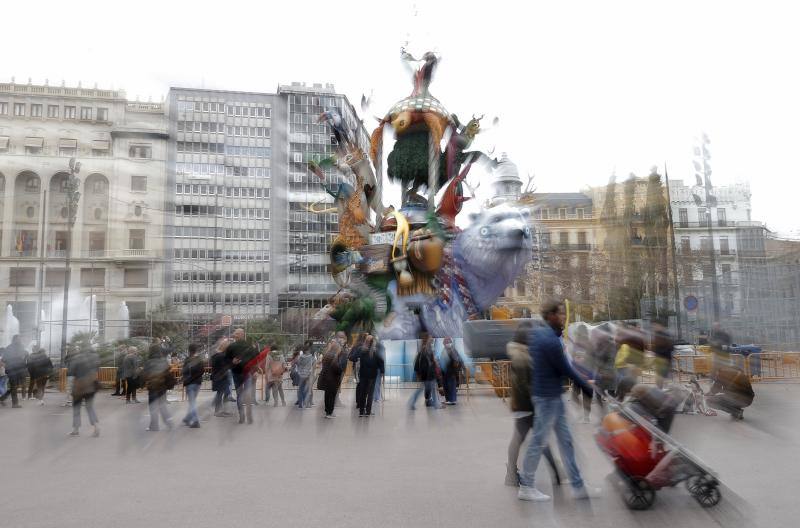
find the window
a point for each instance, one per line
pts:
(579, 212)
(545, 214)
(34, 145)
(102, 114)
(582, 238)
(563, 238)
(69, 112)
(298, 157)
(101, 148)
(19, 109)
(97, 241)
(724, 249)
(721, 220)
(140, 151)
(86, 113)
(52, 110)
(139, 183)
(22, 277)
(686, 245)
(54, 277)
(4, 143)
(562, 212)
(67, 147)
(683, 217)
(3, 108)
(726, 273)
(136, 239)
(135, 278)
(32, 184)
(702, 217)
(36, 110)
(93, 277)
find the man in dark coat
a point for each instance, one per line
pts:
(239, 355)
(39, 369)
(14, 358)
(219, 378)
(371, 369)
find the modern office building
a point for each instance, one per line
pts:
(244, 242)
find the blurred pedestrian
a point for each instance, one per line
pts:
(731, 391)
(305, 371)
(84, 367)
(131, 373)
(14, 358)
(381, 352)
(452, 371)
(550, 366)
(330, 376)
(578, 354)
(276, 366)
(522, 405)
(159, 379)
(720, 342)
(39, 370)
(239, 354)
(629, 361)
(662, 346)
(370, 372)
(192, 376)
(601, 357)
(119, 358)
(219, 378)
(425, 369)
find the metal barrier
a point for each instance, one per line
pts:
(773, 366)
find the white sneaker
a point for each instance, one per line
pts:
(586, 493)
(531, 494)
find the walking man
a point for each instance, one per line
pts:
(192, 374)
(550, 367)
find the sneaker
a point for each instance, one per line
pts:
(153, 429)
(96, 432)
(328, 416)
(41, 403)
(585, 420)
(531, 494)
(74, 433)
(586, 493)
(195, 425)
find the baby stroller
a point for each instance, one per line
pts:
(634, 435)
(691, 398)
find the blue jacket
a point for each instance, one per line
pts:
(550, 364)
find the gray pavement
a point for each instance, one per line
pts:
(434, 468)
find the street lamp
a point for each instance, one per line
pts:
(73, 195)
(703, 176)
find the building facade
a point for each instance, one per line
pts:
(117, 240)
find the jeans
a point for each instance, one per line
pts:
(76, 410)
(277, 389)
(451, 388)
(13, 383)
(191, 394)
(523, 426)
(303, 391)
(157, 404)
(377, 396)
(365, 391)
(246, 397)
(550, 414)
(431, 394)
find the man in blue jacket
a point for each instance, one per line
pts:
(550, 367)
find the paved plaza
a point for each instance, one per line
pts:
(426, 468)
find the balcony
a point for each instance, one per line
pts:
(120, 254)
(571, 247)
(730, 224)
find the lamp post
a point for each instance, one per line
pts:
(703, 176)
(73, 195)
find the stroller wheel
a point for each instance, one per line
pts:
(639, 494)
(705, 491)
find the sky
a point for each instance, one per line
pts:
(581, 89)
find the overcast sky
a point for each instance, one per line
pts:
(581, 88)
